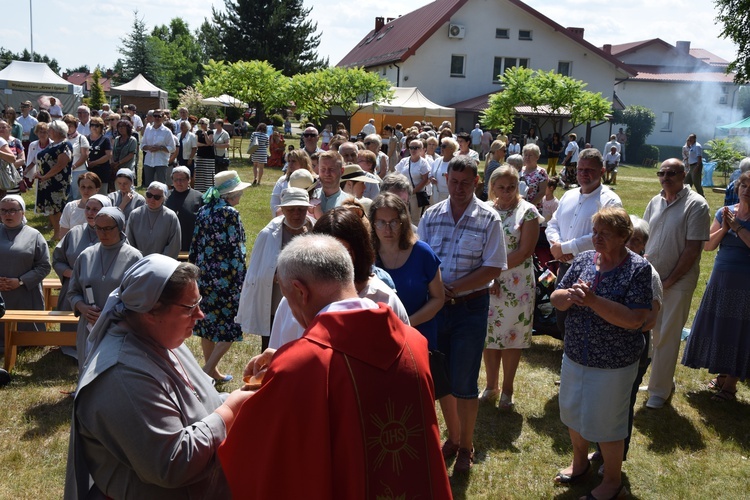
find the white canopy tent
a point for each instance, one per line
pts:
(141, 92)
(28, 81)
(408, 104)
(224, 100)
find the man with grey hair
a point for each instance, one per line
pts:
(84, 116)
(310, 141)
(679, 221)
(330, 390)
(158, 144)
(570, 230)
(183, 113)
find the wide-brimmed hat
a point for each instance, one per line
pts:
(354, 172)
(294, 197)
(303, 179)
(229, 182)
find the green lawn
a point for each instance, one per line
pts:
(695, 448)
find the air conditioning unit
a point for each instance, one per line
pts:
(456, 31)
(723, 99)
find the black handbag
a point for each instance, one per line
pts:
(423, 199)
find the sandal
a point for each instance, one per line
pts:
(506, 402)
(562, 478)
(489, 395)
(723, 395)
(620, 491)
(717, 383)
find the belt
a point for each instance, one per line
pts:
(466, 298)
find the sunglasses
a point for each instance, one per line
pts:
(157, 197)
(157, 116)
(309, 135)
(668, 173)
(415, 147)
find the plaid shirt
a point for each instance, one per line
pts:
(476, 240)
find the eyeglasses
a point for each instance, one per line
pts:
(156, 116)
(393, 224)
(413, 148)
(368, 143)
(190, 308)
(105, 229)
(157, 197)
(668, 173)
(180, 179)
(9, 211)
(309, 135)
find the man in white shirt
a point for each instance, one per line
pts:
(612, 142)
(569, 230)
(369, 127)
(183, 112)
(84, 115)
(28, 123)
(571, 161)
(158, 144)
(55, 111)
(137, 122)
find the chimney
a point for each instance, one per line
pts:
(108, 74)
(379, 23)
(389, 19)
(576, 31)
(607, 48)
(683, 47)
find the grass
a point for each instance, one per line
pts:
(695, 448)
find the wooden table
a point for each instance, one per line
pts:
(48, 286)
(15, 338)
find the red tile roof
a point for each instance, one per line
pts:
(79, 79)
(709, 76)
(401, 38)
(480, 103)
(709, 57)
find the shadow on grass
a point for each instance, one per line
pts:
(545, 353)
(549, 424)
(730, 420)
(496, 430)
(51, 368)
(48, 417)
(583, 488)
(668, 430)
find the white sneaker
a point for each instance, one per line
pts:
(655, 402)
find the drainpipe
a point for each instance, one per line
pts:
(398, 75)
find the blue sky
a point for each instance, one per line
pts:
(89, 32)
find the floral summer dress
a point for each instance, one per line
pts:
(511, 315)
(218, 249)
(52, 194)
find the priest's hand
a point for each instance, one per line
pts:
(259, 362)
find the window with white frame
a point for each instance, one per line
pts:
(666, 121)
(525, 35)
(502, 33)
(564, 68)
(458, 65)
(503, 63)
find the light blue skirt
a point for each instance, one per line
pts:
(595, 401)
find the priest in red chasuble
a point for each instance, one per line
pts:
(345, 412)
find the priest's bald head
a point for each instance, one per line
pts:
(314, 271)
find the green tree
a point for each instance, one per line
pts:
(725, 154)
(96, 93)
(6, 56)
(277, 31)
(257, 83)
(743, 100)
(139, 53)
(640, 121)
(179, 56)
(547, 92)
(83, 68)
(208, 40)
(316, 93)
(191, 99)
(735, 16)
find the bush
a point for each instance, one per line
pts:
(648, 151)
(666, 152)
(276, 120)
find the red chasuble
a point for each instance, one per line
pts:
(345, 412)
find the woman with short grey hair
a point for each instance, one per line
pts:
(53, 173)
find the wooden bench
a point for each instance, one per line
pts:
(15, 338)
(49, 285)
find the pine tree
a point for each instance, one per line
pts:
(96, 93)
(277, 31)
(139, 54)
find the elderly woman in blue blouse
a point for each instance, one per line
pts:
(154, 228)
(218, 249)
(607, 293)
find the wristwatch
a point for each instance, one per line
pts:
(20, 282)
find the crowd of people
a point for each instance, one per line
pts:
(389, 236)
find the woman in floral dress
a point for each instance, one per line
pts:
(53, 173)
(533, 175)
(218, 249)
(512, 295)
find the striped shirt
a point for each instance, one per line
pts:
(475, 241)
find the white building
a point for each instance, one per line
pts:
(687, 89)
(453, 50)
